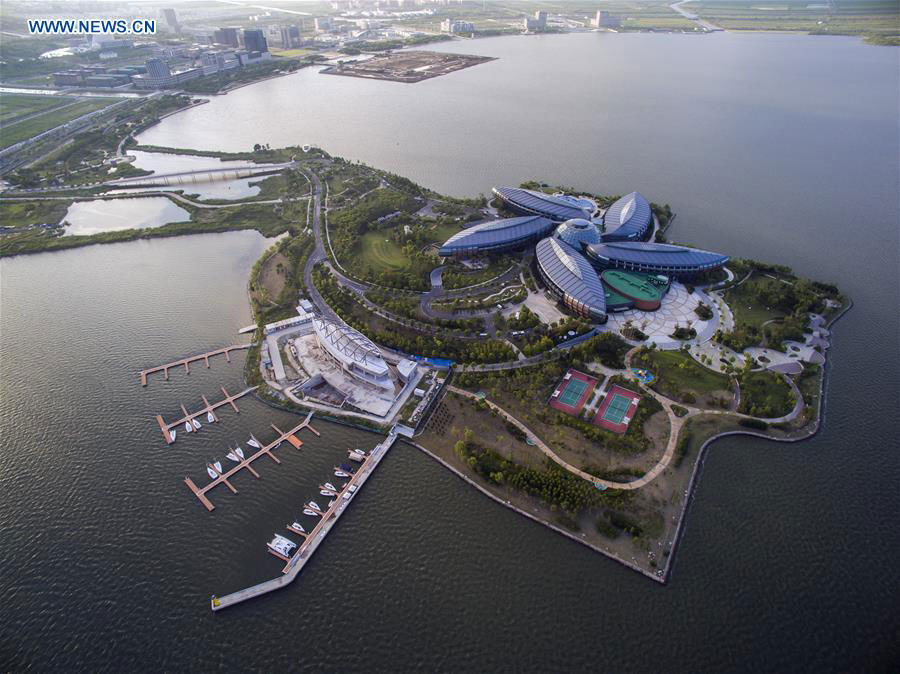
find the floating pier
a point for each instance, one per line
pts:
(190, 416)
(311, 540)
(186, 362)
(200, 492)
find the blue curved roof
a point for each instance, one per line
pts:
(629, 218)
(572, 275)
(655, 256)
(578, 233)
(555, 207)
(496, 234)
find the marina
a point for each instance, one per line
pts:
(190, 418)
(186, 362)
(219, 477)
(327, 519)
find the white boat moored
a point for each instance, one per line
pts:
(196, 424)
(307, 511)
(253, 443)
(239, 452)
(187, 427)
(212, 473)
(209, 417)
(233, 457)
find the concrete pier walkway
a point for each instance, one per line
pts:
(316, 536)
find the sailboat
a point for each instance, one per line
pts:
(233, 457)
(212, 473)
(253, 443)
(239, 452)
(196, 424)
(314, 506)
(330, 486)
(308, 511)
(187, 427)
(218, 465)
(173, 433)
(209, 417)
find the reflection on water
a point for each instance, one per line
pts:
(110, 215)
(160, 162)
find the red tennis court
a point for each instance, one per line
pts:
(573, 392)
(617, 409)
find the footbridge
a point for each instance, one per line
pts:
(200, 175)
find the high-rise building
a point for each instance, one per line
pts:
(290, 37)
(171, 19)
(456, 26)
(157, 69)
(227, 37)
(604, 19)
(324, 24)
(539, 22)
(255, 40)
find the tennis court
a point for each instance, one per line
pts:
(573, 392)
(617, 410)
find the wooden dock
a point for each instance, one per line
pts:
(311, 540)
(200, 492)
(186, 362)
(229, 399)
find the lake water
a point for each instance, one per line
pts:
(778, 147)
(110, 215)
(160, 162)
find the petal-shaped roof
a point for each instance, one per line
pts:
(505, 233)
(558, 207)
(571, 273)
(629, 218)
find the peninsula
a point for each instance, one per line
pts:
(550, 346)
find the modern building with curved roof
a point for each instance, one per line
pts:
(654, 258)
(557, 207)
(578, 233)
(353, 352)
(497, 236)
(570, 277)
(628, 219)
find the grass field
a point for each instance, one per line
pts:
(865, 17)
(291, 53)
(19, 131)
(746, 307)
(678, 374)
(14, 106)
(379, 253)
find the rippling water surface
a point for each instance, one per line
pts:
(779, 147)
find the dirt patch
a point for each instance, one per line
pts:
(272, 277)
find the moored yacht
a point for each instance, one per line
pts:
(327, 492)
(209, 417)
(253, 443)
(283, 546)
(298, 527)
(330, 486)
(218, 465)
(307, 511)
(196, 424)
(239, 452)
(340, 473)
(187, 427)
(314, 506)
(172, 434)
(233, 457)
(212, 473)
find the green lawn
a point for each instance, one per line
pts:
(16, 132)
(746, 307)
(13, 106)
(379, 253)
(678, 374)
(440, 233)
(765, 394)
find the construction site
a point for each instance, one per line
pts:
(406, 66)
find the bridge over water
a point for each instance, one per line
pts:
(200, 175)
